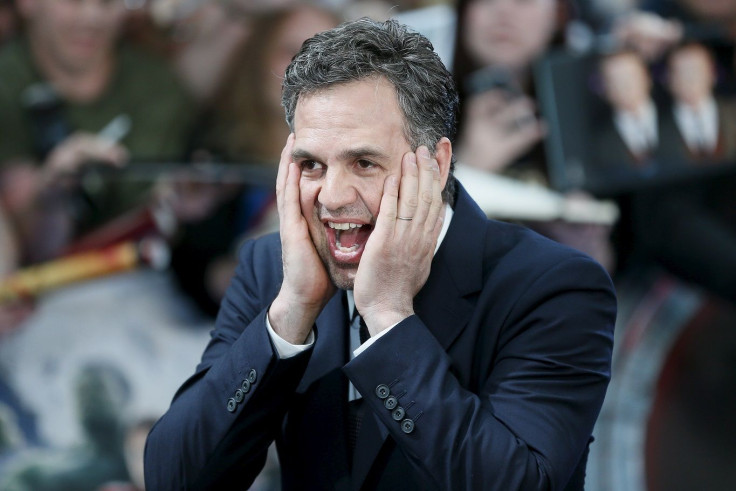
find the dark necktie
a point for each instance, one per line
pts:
(356, 409)
(363, 331)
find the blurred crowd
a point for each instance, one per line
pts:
(158, 124)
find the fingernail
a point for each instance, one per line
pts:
(423, 152)
(412, 158)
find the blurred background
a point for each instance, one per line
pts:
(139, 141)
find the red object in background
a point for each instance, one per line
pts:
(131, 226)
(691, 431)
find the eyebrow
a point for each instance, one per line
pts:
(349, 154)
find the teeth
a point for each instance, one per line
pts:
(344, 226)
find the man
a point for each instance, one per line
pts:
(627, 86)
(706, 126)
(489, 346)
(70, 94)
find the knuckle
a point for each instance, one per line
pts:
(427, 196)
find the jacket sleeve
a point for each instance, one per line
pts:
(540, 390)
(222, 420)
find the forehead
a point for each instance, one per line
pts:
(375, 96)
(364, 111)
(690, 54)
(623, 65)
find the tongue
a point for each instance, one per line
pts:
(348, 238)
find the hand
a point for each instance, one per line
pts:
(306, 287)
(647, 33)
(398, 255)
(498, 130)
(78, 150)
(190, 196)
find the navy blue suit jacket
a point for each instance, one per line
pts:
(502, 372)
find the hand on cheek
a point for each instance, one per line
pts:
(398, 255)
(306, 287)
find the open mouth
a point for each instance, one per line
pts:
(347, 239)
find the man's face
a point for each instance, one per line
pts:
(691, 76)
(348, 139)
(74, 34)
(626, 82)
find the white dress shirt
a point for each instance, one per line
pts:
(638, 130)
(698, 125)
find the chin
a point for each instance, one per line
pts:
(342, 278)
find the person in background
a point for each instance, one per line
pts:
(8, 20)
(630, 136)
(496, 45)
(501, 40)
(200, 37)
(73, 94)
(245, 125)
(706, 125)
(247, 120)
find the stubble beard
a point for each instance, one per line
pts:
(341, 275)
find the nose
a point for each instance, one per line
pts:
(337, 189)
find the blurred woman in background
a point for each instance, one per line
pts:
(497, 43)
(245, 125)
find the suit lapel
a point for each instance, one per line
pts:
(444, 305)
(330, 347)
(324, 386)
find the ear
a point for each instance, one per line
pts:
(443, 155)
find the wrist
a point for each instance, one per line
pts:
(380, 321)
(292, 320)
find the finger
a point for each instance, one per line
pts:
(291, 206)
(86, 149)
(492, 101)
(428, 171)
(435, 210)
(386, 220)
(525, 136)
(283, 171)
(284, 163)
(407, 204)
(105, 152)
(517, 112)
(439, 220)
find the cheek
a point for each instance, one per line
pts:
(371, 195)
(540, 26)
(474, 36)
(308, 192)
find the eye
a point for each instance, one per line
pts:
(365, 164)
(310, 166)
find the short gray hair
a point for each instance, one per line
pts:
(365, 48)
